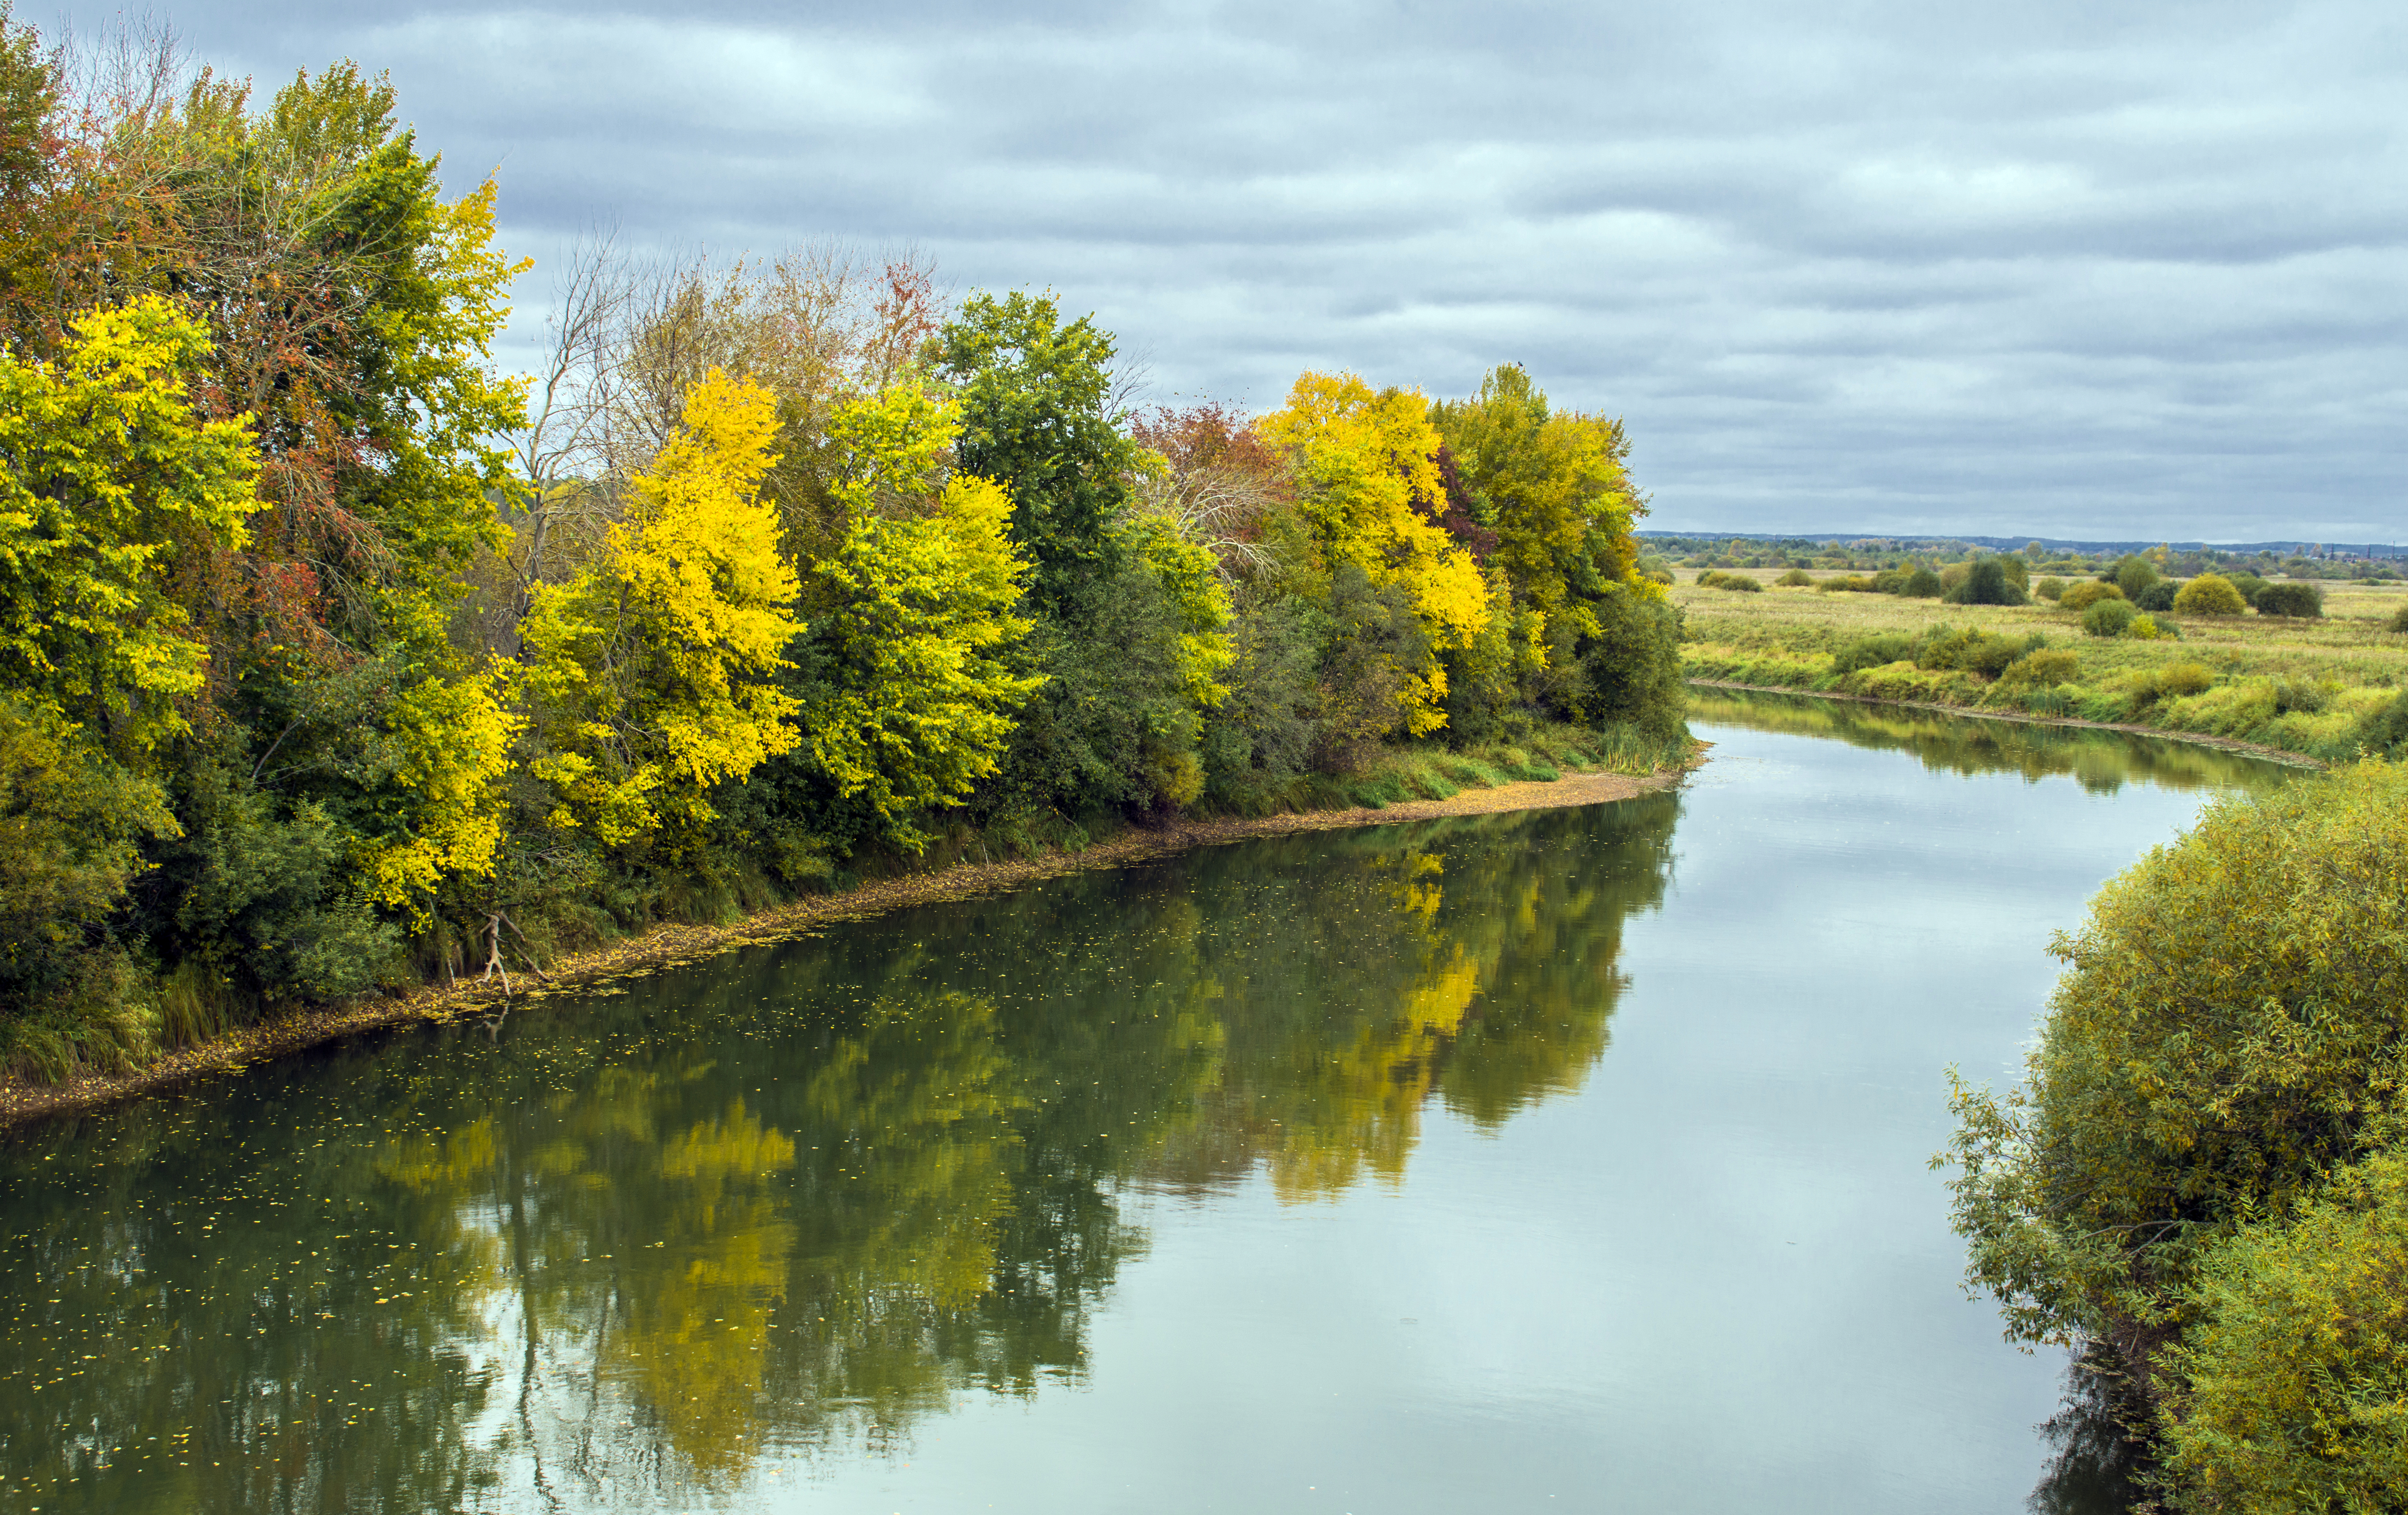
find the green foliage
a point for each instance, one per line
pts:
(2398, 621)
(1970, 649)
(2234, 1028)
(1630, 672)
(1873, 652)
(2159, 597)
(2109, 617)
(1740, 583)
(1986, 582)
(2081, 597)
(2292, 1379)
(2049, 588)
(1795, 579)
(1921, 584)
(2301, 600)
(2209, 594)
(2385, 731)
(1032, 392)
(2134, 575)
(2042, 669)
(72, 826)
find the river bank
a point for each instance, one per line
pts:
(2302, 687)
(666, 946)
(2195, 739)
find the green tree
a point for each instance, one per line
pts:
(1033, 395)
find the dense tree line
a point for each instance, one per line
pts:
(331, 659)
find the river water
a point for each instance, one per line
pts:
(1567, 1161)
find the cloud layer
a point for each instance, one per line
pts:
(2058, 269)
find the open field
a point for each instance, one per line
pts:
(2306, 686)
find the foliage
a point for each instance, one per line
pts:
(1795, 579)
(2134, 575)
(1986, 582)
(2398, 621)
(2302, 599)
(2231, 1031)
(113, 479)
(653, 670)
(2210, 594)
(2082, 596)
(2110, 618)
(1716, 579)
(2294, 1378)
(1363, 460)
(1032, 392)
(2049, 588)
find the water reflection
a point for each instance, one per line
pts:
(2102, 762)
(684, 1238)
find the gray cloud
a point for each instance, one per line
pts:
(2062, 268)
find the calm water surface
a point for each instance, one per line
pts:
(1571, 1160)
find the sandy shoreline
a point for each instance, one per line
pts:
(668, 946)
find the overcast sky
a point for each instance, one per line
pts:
(2078, 270)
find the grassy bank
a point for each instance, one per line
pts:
(1546, 768)
(2312, 687)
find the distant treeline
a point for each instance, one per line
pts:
(332, 659)
(1873, 553)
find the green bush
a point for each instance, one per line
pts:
(2178, 680)
(1968, 649)
(2232, 1028)
(1795, 579)
(1718, 579)
(2049, 588)
(2149, 629)
(2385, 731)
(2134, 575)
(1873, 652)
(2108, 617)
(2289, 1388)
(2157, 597)
(2298, 599)
(1986, 583)
(2248, 584)
(2081, 597)
(1849, 584)
(2041, 669)
(1922, 584)
(2398, 621)
(2210, 594)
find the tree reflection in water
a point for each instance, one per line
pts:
(683, 1236)
(2098, 1463)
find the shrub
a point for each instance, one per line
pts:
(2248, 584)
(1953, 575)
(2041, 669)
(2181, 680)
(2400, 619)
(2148, 628)
(1970, 650)
(2210, 594)
(1986, 583)
(2108, 617)
(2385, 729)
(2134, 575)
(1873, 652)
(2220, 1045)
(2082, 596)
(2292, 1380)
(2299, 599)
(1795, 579)
(1848, 584)
(2049, 588)
(2157, 597)
(1922, 584)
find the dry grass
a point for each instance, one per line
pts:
(2300, 686)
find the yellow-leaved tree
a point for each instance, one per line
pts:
(1363, 458)
(914, 699)
(652, 674)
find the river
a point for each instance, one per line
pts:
(1564, 1161)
